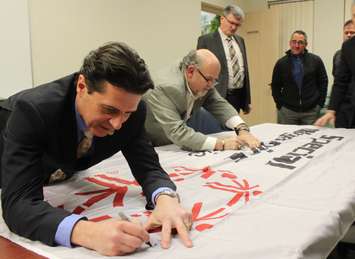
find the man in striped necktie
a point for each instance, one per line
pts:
(234, 84)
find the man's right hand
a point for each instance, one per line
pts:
(111, 237)
(328, 117)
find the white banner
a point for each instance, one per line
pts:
(292, 199)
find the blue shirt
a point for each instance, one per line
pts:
(297, 70)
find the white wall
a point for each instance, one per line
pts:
(64, 31)
(347, 12)
(221, 3)
(15, 54)
(252, 5)
(328, 31)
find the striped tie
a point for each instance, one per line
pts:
(84, 144)
(237, 77)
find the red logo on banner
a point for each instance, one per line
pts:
(225, 181)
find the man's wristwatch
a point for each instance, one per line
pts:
(241, 127)
(169, 193)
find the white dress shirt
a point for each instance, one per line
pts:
(229, 63)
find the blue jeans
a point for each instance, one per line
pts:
(204, 122)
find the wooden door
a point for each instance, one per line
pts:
(260, 32)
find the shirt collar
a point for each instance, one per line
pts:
(223, 36)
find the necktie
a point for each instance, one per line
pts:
(84, 144)
(237, 77)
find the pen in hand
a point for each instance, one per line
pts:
(125, 218)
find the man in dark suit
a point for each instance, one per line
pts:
(341, 108)
(230, 50)
(43, 130)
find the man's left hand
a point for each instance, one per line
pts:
(169, 214)
(249, 140)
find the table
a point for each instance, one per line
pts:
(293, 199)
(12, 250)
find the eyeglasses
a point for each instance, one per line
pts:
(214, 82)
(236, 24)
(299, 42)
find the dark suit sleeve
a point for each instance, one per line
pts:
(24, 210)
(246, 78)
(144, 161)
(276, 85)
(342, 81)
(201, 43)
(322, 82)
(336, 60)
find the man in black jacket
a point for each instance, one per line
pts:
(299, 83)
(42, 133)
(341, 108)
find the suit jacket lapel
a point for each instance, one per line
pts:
(68, 128)
(240, 43)
(244, 54)
(220, 49)
(241, 47)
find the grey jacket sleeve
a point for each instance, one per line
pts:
(218, 106)
(167, 114)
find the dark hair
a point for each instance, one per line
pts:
(348, 22)
(119, 65)
(302, 33)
